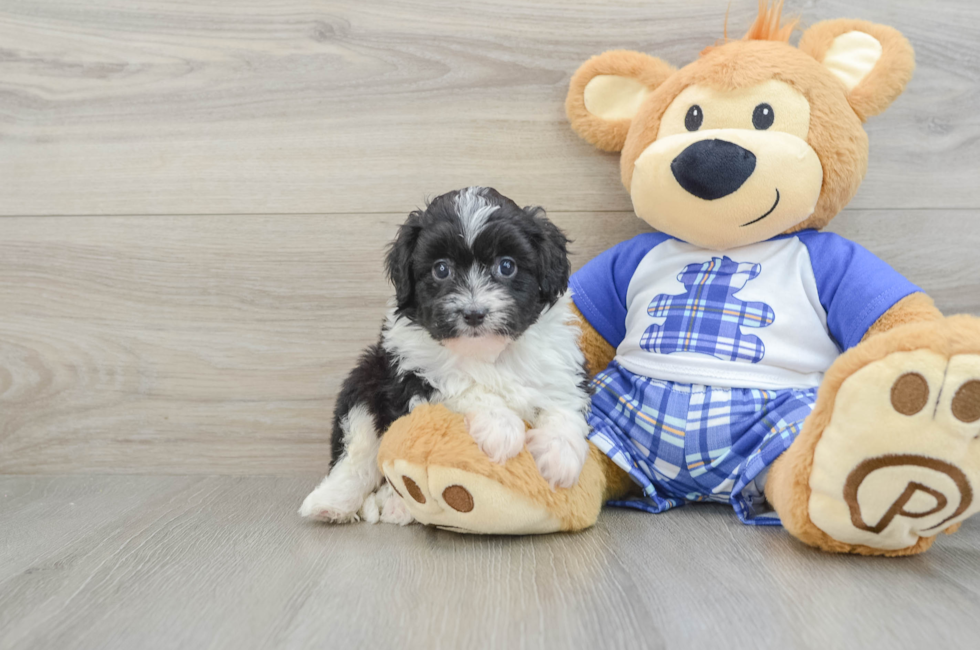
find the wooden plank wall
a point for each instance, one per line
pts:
(194, 197)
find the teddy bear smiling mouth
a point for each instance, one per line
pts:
(766, 214)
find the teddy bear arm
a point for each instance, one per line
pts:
(914, 308)
(598, 352)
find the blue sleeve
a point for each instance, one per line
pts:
(855, 287)
(599, 287)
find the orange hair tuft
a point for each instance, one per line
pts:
(767, 25)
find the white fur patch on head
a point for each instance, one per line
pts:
(473, 210)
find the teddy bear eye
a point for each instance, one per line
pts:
(694, 118)
(762, 117)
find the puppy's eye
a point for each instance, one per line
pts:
(763, 116)
(506, 267)
(441, 270)
(694, 118)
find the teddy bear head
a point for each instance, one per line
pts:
(754, 138)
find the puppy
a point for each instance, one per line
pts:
(480, 324)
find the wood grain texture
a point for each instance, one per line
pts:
(185, 344)
(216, 345)
(223, 562)
(168, 107)
(242, 165)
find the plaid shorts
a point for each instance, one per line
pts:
(684, 442)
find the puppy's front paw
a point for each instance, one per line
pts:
(558, 455)
(385, 506)
(394, 510)
(331, 506)
(498, 432)
(371, 508)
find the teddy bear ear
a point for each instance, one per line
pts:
(874, 62)
(606, 92)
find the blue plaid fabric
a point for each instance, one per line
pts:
(683, 442)
(708, 319)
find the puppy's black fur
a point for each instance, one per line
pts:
(472, 250)
(375, 382)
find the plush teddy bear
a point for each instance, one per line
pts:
(739, 354)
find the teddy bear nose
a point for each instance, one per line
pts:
(711, 169)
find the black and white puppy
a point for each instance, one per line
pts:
(481, 324)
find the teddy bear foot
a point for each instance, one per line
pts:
(464, 502)
(894, 451)
(444, 480)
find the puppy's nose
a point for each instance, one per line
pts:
(474, 316)
(711, 169)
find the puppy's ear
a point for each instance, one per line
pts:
(398, 262)
(874, 62)
(553, 265)
(606, 92)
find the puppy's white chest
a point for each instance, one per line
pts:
(465, 393)
(539, 371)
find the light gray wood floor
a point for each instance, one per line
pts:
(222, 562)
(194, 201)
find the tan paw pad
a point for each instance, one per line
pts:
(966, 402)
(900, 458)
(466, 502)
(458, 498)
(413, 489)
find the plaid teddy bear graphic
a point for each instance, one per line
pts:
(708, 319)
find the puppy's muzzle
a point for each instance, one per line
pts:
(712, 169)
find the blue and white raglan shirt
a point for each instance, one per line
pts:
(770, 315)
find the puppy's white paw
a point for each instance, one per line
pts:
(393, 509)
(326, 504)
(337, 500)
(499, 433)
(386, 507)
(370, 510)
(558, 455)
